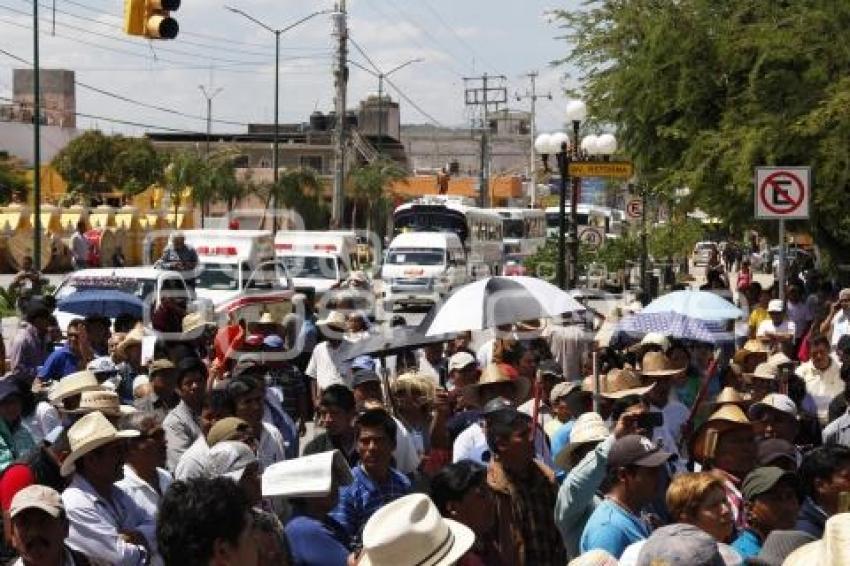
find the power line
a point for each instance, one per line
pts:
(409, 101)
(460, 39)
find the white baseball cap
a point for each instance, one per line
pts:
(776, 401)
(775, 305)
(460, 360)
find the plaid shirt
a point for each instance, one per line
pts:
(527, 534)
(359, 500)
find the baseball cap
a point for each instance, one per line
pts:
(363, 362)
(776, 401)
(226, 429)
(101, 365)
(460, 360)
(361, 376)
(680, 543)
(761, 480)
(273, 341)
(159, 365)
(551, 367)
(497, 404)
(229, 459)
(771, 450)
(636, 450)
(565, 388)
(775, 305)
(39, 497)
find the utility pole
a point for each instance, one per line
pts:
(209, 96)
(533, 96)
(482, 94)
(341, 81)
(36, 153)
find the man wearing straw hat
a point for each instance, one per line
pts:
(105, 523)
(327, 365)
(657, 368)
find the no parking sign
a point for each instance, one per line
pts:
(783, 192)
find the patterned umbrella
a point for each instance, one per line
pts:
(703, 305)
(632, 328)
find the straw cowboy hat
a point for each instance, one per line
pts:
(90, 433)
(832, 550)
(308, 476)
(335, 319)
(657, 364)
(731, 396)
(764, 370)
(194, 324)
(727, 417)
(618, 383)
(268, 318)
(410, 530)
(105, 401)
(492, 375)
(133, 338)
(589, 427)
(73, 384)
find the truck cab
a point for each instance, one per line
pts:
(317, 261)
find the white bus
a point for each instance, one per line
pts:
(608, 219)
(523, 230)
(480, 230)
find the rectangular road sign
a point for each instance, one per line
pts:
(783, 192)
(620, 169)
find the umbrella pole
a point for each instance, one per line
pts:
(385, 383)
(538, 394)
(596, 388)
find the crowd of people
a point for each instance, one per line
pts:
(123, 445)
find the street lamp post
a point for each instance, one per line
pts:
(589, 148)
(381, 77)
(277, 33)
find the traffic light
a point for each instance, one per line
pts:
(151, 18)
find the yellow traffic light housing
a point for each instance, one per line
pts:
(151, 18)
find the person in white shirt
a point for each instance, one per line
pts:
(247, 397)
(657, 368)
(837, 324)
(145, 479)
(105, 523)
(80, 246)
(822, 376)
(327, 365)
(777, 331)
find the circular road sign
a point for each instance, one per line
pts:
(634, 208)
(782, 192)
(592, 237)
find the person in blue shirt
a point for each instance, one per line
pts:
(67, 359)
(634, 465)
(376, 482)
(772, 497)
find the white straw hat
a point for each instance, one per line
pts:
(104, 401)
(73, 384)
(90, 433)
(410, 530)
(832, 550)
(308, 476)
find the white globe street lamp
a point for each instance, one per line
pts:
(576, 111)
(542, 144)
(590, 144)
(606, 144)
(559, 141)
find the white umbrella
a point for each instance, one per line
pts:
(494, 301)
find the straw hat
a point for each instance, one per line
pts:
(73, 384)
(832, 550)
(89, 433)
(308, 476)
(133, 338)
(106, 402)
(619, 383)
(335, 319)
(779, 359)
(267, 318)
(764, 370)
(193, 324)
(731, 396)
(657, 364)
(410, 530)
(589, 427)
(491, 375)
(726, 418)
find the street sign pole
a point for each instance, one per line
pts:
(780, 272)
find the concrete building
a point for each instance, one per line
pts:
(58, 98)
(16, 138)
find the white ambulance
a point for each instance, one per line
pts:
(238, 272)
(422, 268)
(317, 261)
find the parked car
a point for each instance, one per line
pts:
(702, 251)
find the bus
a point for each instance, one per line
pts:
(523, 230)
(480, 230)
(608, 219)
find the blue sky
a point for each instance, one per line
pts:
(455, 38)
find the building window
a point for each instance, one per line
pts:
(312, 161)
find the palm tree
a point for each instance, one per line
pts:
(217, 181)
(299, 189)
(369, 185)
(184, 170)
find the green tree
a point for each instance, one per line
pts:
(300, 190)
(184, 170)
(216, 181)
(86, 163)
(12, 178)
(367, 186)
(703, 91)
(135, 165)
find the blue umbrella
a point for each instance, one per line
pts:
(105, 302)
(695, 304)
(632, 328)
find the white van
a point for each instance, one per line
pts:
(422, 268)
(238, 271)
(317, 260)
